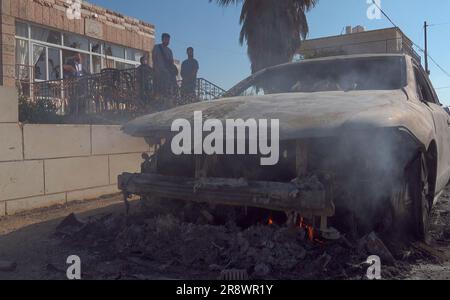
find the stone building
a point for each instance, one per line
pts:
(359, 41)
(38, 37)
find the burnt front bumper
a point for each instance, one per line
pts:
(306, 196)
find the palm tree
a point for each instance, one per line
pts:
(273, 29)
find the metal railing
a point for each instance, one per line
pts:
(206, 90)
(111, 90)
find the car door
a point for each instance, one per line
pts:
(441, 120)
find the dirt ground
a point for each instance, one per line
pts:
(29, 240)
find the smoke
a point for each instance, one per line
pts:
(371, 167)
(376, 73)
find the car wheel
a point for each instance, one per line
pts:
(420, 192)
(411, 202)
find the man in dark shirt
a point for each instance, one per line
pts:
(74, 73)
(145, 79)
(165, 70)
(189, 70)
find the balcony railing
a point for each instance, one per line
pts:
(111, 90)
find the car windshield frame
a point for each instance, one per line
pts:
(252, 80)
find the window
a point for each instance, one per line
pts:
(96, 64)
(43, 53)
(45, 35)
(423, 89)
(22, 50)
(22, 60)
(110, 64)
(134, 55)
(22, 30)
(54, 64)
(40, 62)
(76, 41)
(96, 47)
(115, 51)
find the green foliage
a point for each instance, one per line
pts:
(272, 29)
(41, 111)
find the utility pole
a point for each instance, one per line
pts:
(425, 28)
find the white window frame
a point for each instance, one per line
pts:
(61, 47)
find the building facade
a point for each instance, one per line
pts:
(359, 41)
(39, 37)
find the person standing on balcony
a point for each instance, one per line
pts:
(145, 76)
(76, 86)
(165, 70)
(73, 68)
(189, 71)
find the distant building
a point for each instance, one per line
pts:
(359, 41)
(39, 36)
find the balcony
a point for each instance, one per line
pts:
(112, 96)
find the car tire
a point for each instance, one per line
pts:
(411, 202)
(420, 191)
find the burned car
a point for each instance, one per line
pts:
(364, 144)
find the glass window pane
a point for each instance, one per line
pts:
(115, 51)
(54, 64)
(96, 64)
(22, 29)
(134, 55)
(22, 52)
(76, 41)
(110, 64)
(39, 62)
(45, 35)
(22, 60)
(96, 47)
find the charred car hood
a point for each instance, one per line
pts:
(300, 114)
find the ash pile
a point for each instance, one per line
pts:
(191, 241)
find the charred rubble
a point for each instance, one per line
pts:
(192, 241)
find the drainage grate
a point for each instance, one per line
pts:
(233, 275)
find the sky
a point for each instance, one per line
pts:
(214, 31)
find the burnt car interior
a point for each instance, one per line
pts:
(383, 73)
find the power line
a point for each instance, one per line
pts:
(416, 45)
(384, 14)
(439, 24)
(439, 66)
(433, 60)
(443, 88)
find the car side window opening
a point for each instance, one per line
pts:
(423, 90)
